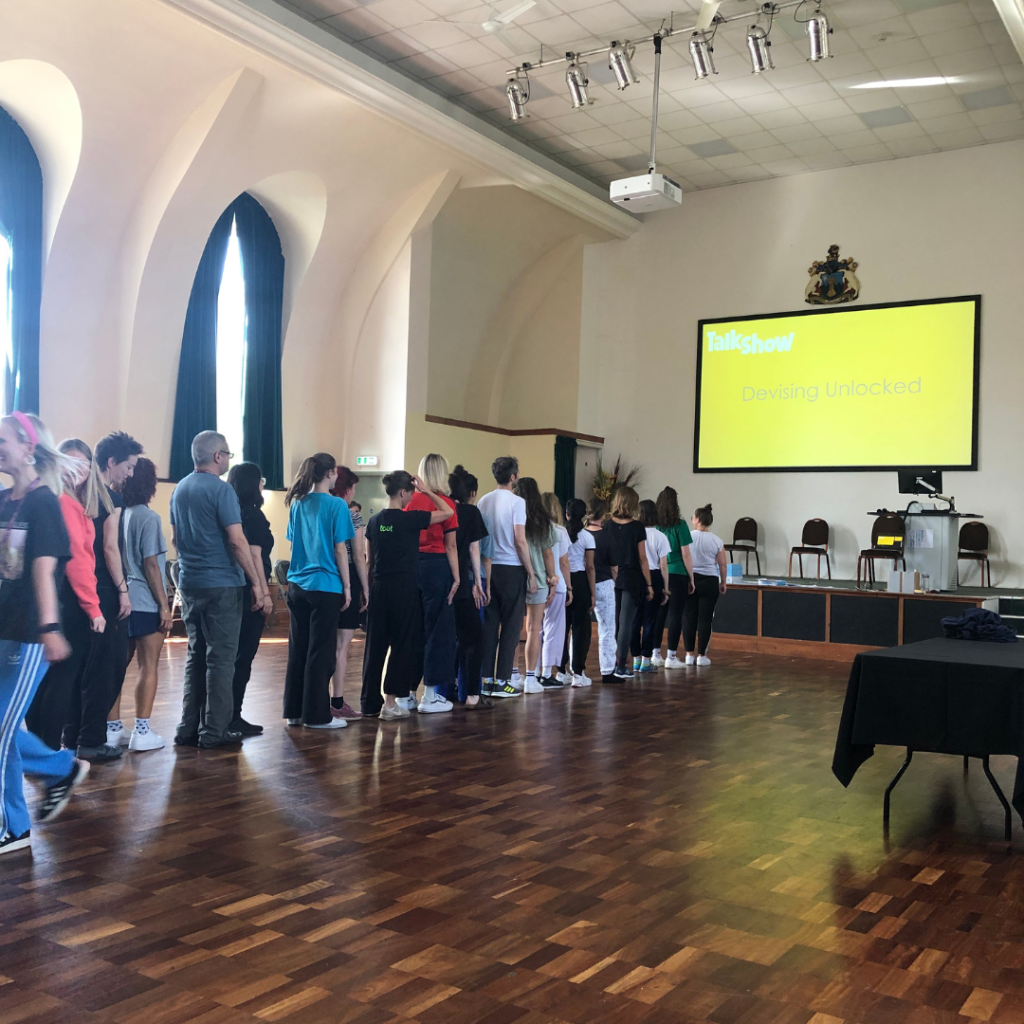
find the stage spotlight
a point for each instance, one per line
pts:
(701, 52)
(576, 79)
(759, 48)
(818, 31)
(619, 60)
(518, 93)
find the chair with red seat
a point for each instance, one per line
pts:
(887, 543)
(813, 541)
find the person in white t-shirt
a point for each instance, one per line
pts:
(651, 616)
(510, 575)
(709, 572)
(553, 628)
(583, 583)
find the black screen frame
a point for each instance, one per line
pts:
(887, 467)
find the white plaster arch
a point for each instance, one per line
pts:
(297, 204)
(41, 98)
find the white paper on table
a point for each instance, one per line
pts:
(922, 538)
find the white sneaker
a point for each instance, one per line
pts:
(532, 685)
(565, 678)
(673, 662)
(691, 660)
(392, 714)
(702, 660)
(581, 680)
(334, 723)
(657, 660)
(118, 737)
(145, 741)
(434, 706)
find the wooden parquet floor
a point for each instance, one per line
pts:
(668, 852)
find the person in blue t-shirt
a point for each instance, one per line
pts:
(318, 591)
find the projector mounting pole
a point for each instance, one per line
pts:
(657, 83)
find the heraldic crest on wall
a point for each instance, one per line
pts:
(832, 280)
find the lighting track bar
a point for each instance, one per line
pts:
(665, 33)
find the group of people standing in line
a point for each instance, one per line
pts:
(443, 586)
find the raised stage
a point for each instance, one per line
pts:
(834, 621)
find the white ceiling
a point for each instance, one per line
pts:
(734, 126)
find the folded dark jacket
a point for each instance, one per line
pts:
(978, 624)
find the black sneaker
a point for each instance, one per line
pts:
(9, 842)
(186, 741)
(610, 678)
(240, 725)
(58, 795)
(550, 683)
(503, 690)
(99, 755)
(622, 672)
(229, 739)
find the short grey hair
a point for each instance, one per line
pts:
(205, 446)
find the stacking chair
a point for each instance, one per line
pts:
(813, 541)
(280, 575)
(974, 547)
(887, 543)
(744, 541)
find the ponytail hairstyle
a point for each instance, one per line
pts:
(575, 511)
(648, 513)
(462, 485)
(91, 492)
(396, 481)
(434, 473)
(597, 510)
(668, 507)
(54, 469)
(703, 515)
(553, 506)
(346, 480)
(538, 520)
(625, 503)
(312, 471)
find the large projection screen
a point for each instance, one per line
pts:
(861, 388)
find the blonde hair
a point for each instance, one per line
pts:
(625, 504)
(52, 467)
(553, 505)
(91, 492)
(434, 473)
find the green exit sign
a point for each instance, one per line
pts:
(367, 460)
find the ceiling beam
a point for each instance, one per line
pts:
(305, 46)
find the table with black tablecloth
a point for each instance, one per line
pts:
(937, 696)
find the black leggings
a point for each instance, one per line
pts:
(312, 654)
(653, 615)
(679, 585)
(577, 624)
(699, 612)
(627, 604)
(394, 623)
(469, 633)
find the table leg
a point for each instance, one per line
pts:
(888, 789)
(1007, 821)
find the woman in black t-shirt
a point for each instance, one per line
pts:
(394, 616)
(633, 575)
(469, 598)
(33, 551)
(247, 480)
(604, 586)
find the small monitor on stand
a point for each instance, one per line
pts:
(920, 481)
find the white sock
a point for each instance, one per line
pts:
(115, 725)
(141, 726)
(429, 693)
(531, 674)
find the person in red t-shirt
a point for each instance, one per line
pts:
(439, 580)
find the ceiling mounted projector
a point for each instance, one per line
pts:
(646, 193)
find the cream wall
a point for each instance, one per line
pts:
(938, 225)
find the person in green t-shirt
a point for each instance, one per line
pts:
(680, 571)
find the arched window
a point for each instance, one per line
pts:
(229, 372)
(21, 266)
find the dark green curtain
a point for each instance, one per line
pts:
(263, 267)
(195, 406)
(21, 220)
(195, 403)
(565, 468)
